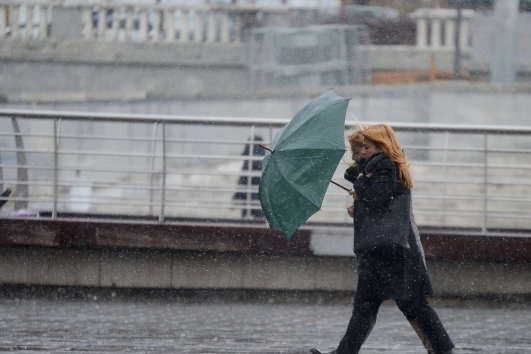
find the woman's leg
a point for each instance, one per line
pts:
(427, 324)
(360, 324)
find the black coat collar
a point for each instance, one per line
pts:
(373, 161)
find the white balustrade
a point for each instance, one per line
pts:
(436, 29)
(108, 21)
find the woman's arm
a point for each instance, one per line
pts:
(352, 173)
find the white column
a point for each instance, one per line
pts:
(184, 33)
(129, 30)
(198, 31)
(116, 15)
(422, 32)
(463, 39)
(449, 33)
(143, 27)
(2, 21)
(237, 28)
(225, 27)
(28, 33)
(435, 37)
(14, 21)
(156, 25)
(169, 25)
(211, 27)
(43, 22)
(102, 23)
(86, 23)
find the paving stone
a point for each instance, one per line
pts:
(164, 326)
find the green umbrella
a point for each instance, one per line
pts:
(304, 156)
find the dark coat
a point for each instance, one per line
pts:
(392, 273)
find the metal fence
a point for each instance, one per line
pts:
(172, 169)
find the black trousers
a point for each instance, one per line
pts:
(418, 312)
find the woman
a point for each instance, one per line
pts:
(392, 272)
(351, 174)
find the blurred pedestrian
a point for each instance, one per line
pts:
(249, 198)
(393, 271)
(3, 197)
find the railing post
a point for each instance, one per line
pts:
(22, 167)
(153, 146)
(163, 186)
(248, 196)
(445, 197)
(55, 167)
(485, 181)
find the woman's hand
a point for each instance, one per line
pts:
(352, 192)
(350, 210)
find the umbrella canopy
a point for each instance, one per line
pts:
(305, 155)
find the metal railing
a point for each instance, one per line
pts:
(171, 169)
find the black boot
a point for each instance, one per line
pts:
(315, 351)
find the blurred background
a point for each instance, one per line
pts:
(130, 127)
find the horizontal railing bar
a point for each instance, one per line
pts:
(156, 140)
(478, 150)
(468, 165)
(490, 182)
(473, 197)
(267, 122)
(138, 118)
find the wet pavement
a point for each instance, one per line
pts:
(166, 326)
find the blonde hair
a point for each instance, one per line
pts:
(355, 139)
(384, 137)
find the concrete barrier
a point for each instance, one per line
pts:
(74, 254)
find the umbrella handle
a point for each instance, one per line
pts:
(340, 186)
(265, 147)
